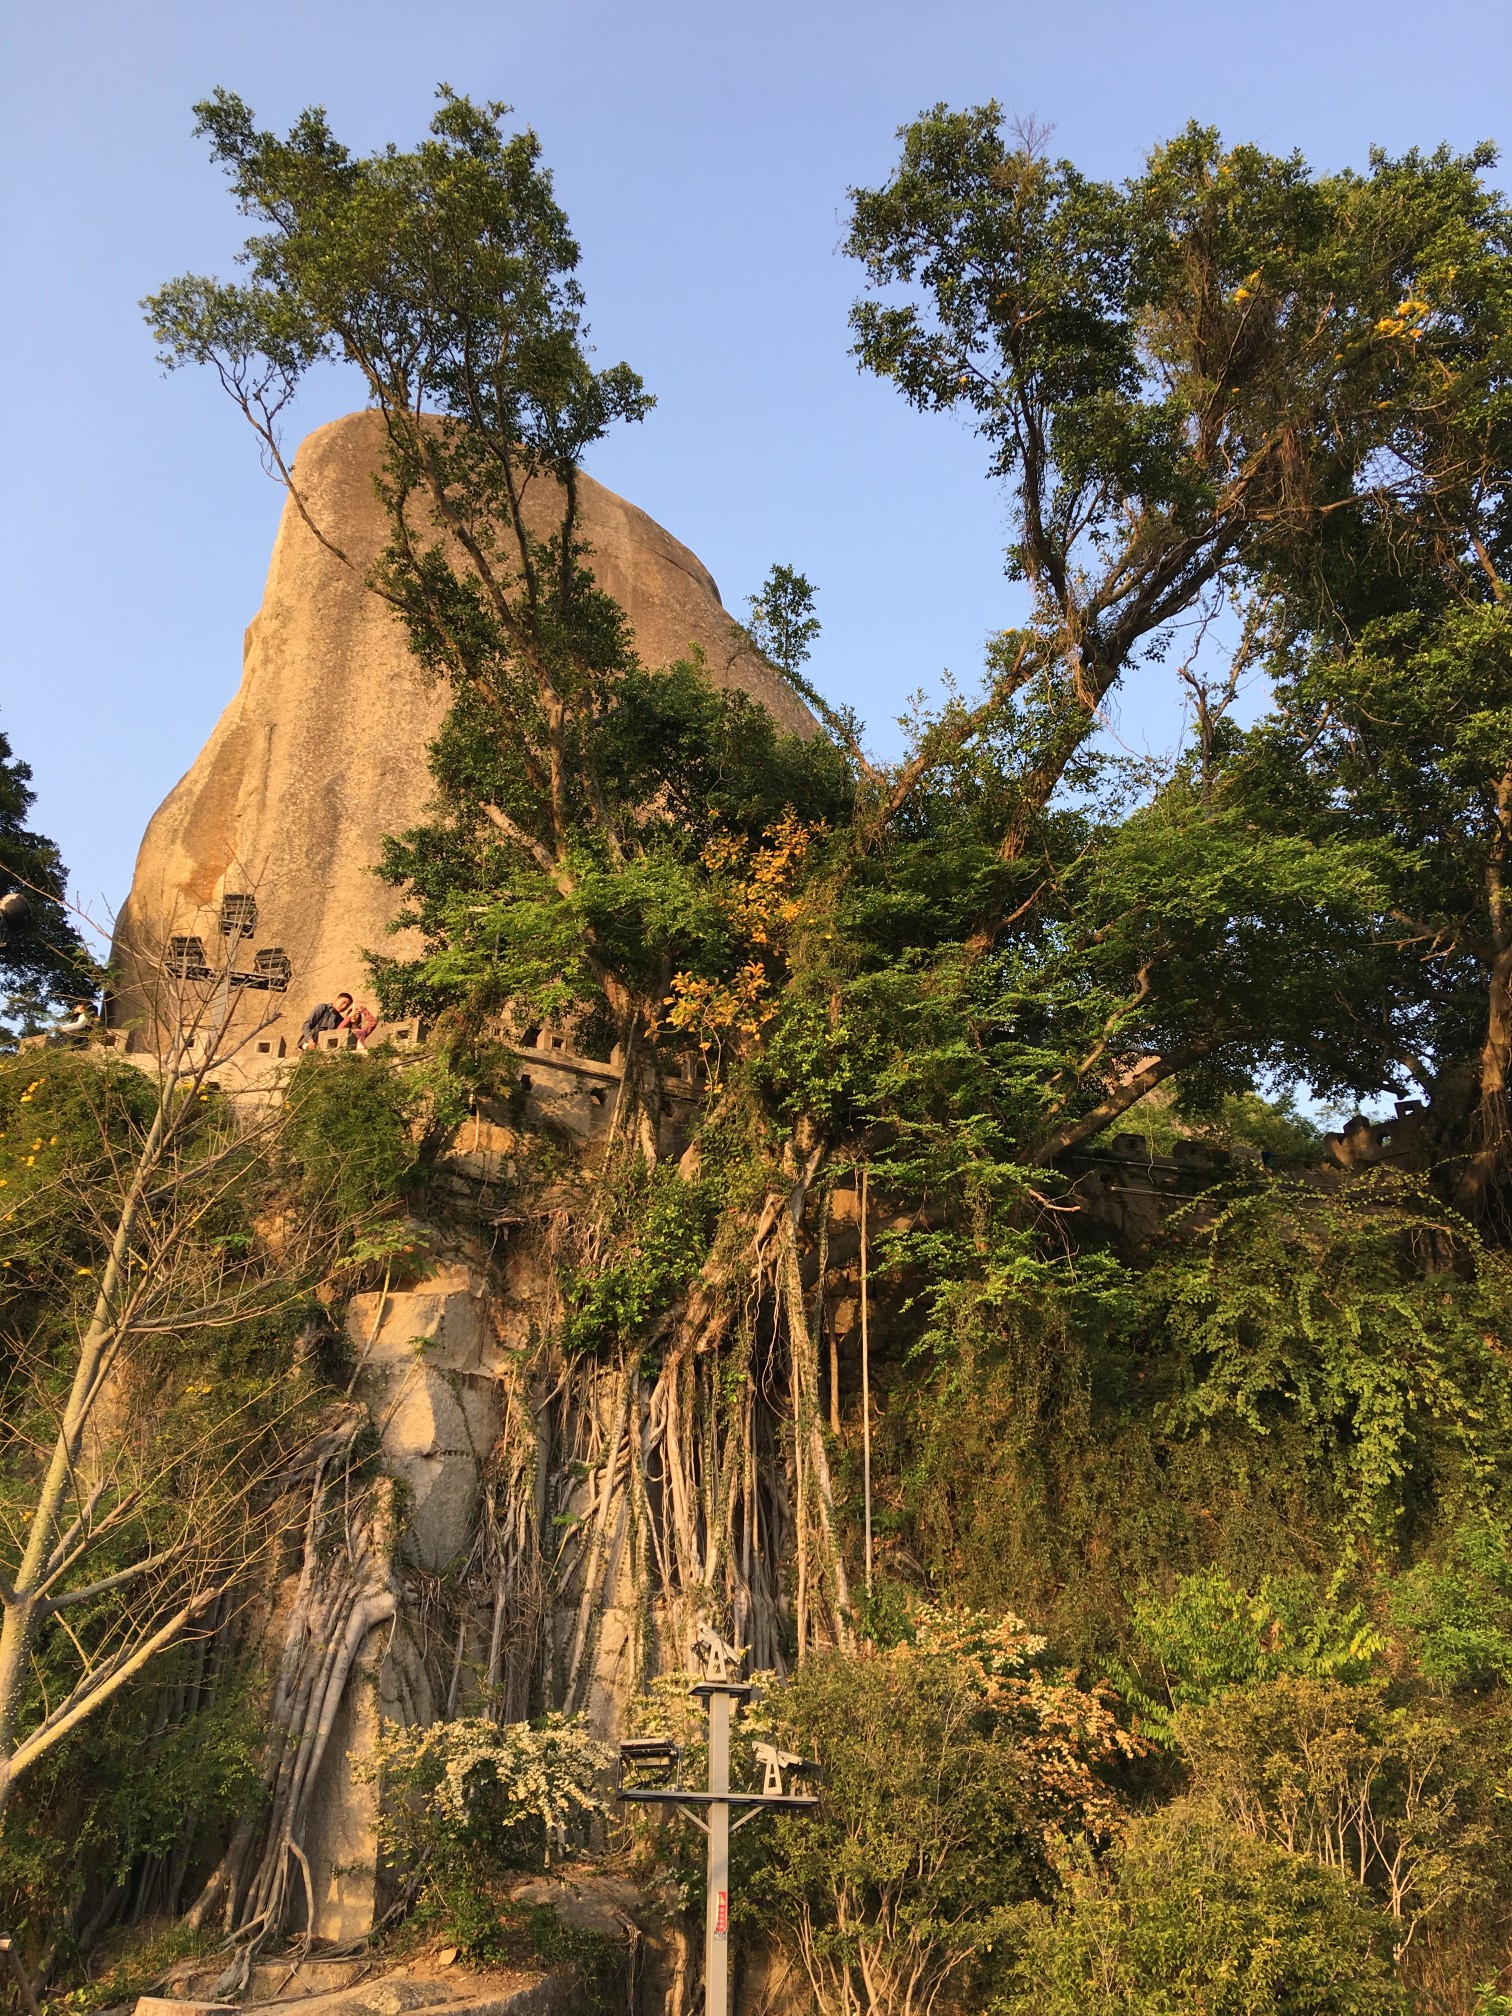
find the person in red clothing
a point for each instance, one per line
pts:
(361, 1021)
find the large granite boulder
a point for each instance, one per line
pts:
(322, 751)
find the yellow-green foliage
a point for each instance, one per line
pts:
(1186, 1917)
(958, 1769)
(351, 1142)
(1389, 1789)
(1210, 1635)
(66, 1122)
(1365, 1322)
(215, 1386)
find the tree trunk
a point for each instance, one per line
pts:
(1484, 1172)
(25, 1603)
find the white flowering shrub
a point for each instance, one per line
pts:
(465, 1801)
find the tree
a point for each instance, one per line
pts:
(446, 277)
(1400, 739)
(580, 790)
(783, 624)
(1232, 403)
(161, 1248)
(1162, 373)
(1218, 379)
(47, 960)
(1190, 1917)
(1389, 643)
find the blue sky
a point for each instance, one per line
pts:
(703, 154)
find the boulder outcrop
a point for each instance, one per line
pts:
(503, 1503)
(322, 751)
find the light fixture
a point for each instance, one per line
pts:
(238, 916)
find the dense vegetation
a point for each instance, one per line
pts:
(1249, 1473)
(47, 958)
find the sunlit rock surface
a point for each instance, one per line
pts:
(322, 750)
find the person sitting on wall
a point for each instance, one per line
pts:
(329, 1015)
(361, 1021)
(71, 1031)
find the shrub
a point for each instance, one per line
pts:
(1460, 1609)
(1385, 1793)
(466, 1802)
(1190, 1916)
(350, 1141)
(955, 1774)
(1209, 1635)
(1364, 1321)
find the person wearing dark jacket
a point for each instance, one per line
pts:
(329, 1015)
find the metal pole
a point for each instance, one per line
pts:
(717, 1913)
(223, 993)
(661, 1755)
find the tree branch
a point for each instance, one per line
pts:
(542, 855)
(51, 1605)
(1126, 1092)
(87, 1698)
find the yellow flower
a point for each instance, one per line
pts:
(83, 1270)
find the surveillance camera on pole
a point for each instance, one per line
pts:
(658, 1758)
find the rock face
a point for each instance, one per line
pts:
(321, 753)
(323, 749)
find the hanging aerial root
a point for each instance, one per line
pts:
(345, 1590)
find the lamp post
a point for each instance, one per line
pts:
(270, 971)
(661, 1756)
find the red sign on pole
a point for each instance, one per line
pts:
(722, 1915)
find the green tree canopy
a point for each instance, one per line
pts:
(46, 961)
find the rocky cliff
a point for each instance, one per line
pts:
(516, 1574)
(322, 751)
